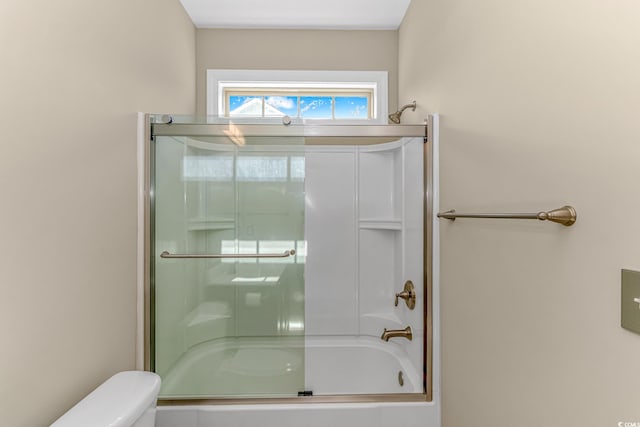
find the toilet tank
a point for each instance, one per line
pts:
(127, 399)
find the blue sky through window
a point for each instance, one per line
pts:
(315, 107)
(309, 107)
(250, 106)
(285, 104)
(351, 107)
(236, 101)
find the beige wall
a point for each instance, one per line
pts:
(540, 103)
(296, 50)
(73, 75)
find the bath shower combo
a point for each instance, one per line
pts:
(276, 250)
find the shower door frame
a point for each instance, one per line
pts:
(425, 131)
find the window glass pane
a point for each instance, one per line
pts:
(281, 105)
(248, 106)
(315, 107)
(352, 107)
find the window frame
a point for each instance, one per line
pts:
(218, 81)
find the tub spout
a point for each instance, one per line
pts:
(392, 333)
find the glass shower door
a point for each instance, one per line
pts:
(289, 261)
(228, 266)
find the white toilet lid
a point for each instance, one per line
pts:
(118, 402)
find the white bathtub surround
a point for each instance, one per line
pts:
(307, 415)
(364, 231)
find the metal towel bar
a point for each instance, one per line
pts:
(285, 254)
(565, 215)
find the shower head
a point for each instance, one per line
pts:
(395, 117)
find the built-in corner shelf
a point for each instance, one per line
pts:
(211, 223)
(380, 224)
(390, 198)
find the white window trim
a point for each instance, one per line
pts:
(217, 80)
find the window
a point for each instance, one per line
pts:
(329, 103)
(338, 96)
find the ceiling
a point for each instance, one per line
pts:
(298, 14)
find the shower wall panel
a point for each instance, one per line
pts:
(364, 231)
(330, 229)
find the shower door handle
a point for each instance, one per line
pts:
(284, 254)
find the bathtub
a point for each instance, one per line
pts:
(324, 365)
(331, 366)
(425, 414)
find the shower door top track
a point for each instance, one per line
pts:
(307, 130)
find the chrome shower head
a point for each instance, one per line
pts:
(395, 117)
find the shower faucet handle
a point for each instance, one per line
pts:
(408, 295)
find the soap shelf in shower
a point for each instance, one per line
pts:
(380, 224)
(211, 223)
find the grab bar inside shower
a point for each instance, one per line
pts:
(565, 215)
(284, 254)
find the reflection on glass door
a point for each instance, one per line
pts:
(287, 266)
(228, 270)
